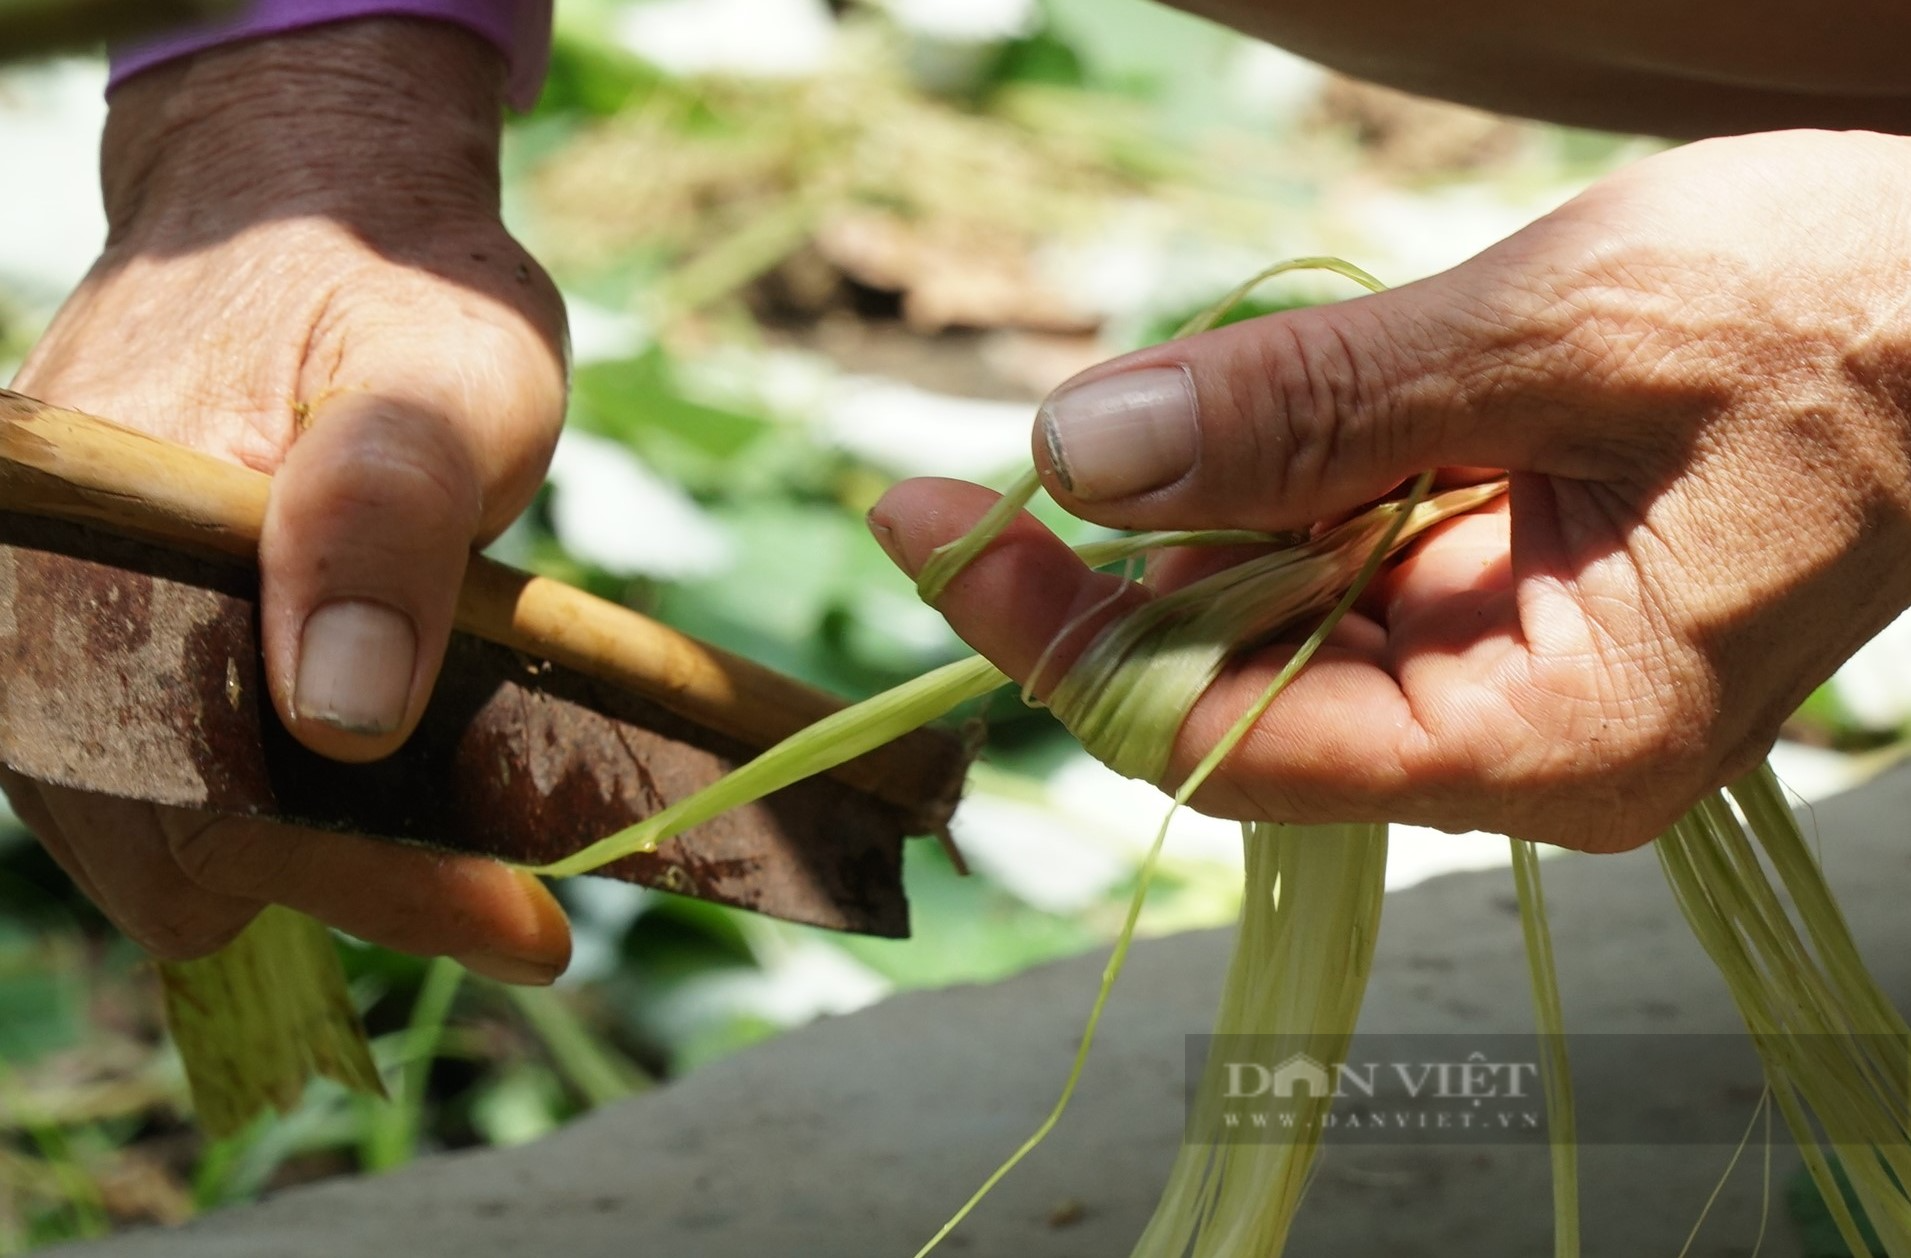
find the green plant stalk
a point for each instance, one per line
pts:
(1298, 975)
(1853, 1089)
(950, 558)
(599, 1076)
(1128, 694)
(1835, 1051)
(262, 1015)
(1151, 862)
(392, 1139)
(1195, 629)
(1555, 1066)
(1762, 1110)
(833, 740)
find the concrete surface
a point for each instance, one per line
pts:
(857, 1137)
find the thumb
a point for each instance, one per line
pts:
(367, 533)
(1276, 422)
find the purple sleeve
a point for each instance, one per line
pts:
(521, 30)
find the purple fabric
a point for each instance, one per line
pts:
(521, 29)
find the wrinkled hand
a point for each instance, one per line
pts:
(1699, 375)
(306, 274)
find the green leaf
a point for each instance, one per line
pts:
(637, 402)
(722, 1037)
(593, 77)
(675, 937)
(791, 568)
(260, 1017)
(1043, 57)
(1175, 60)
(809, 594)
(42, 1002)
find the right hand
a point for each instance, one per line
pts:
(1698, 374)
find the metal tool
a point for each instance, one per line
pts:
(129, 665)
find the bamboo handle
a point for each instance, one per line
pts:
(77, 467)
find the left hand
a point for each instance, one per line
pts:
(307, 274)
(1698, 374)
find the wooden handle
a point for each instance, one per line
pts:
(77, 467)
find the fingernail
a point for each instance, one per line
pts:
(885, 538)
(355, 664)
(518, 971)
(1122, 434)
(544, 933)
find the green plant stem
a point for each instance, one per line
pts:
(834, 740)
(392, 1137)
(599, 1076)
(1556, 1070)
(1151, 862)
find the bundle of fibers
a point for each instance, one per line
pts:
(1834, 1050)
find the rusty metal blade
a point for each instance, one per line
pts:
(133, 670)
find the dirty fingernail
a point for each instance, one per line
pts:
(355, 664)
(518, 971)
(1122, 434)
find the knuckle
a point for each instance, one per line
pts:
(402, 480)
(474, 382)
(179, 932)
(1312, 403)
(1634, 324)
(396, 482)
(199, 851)
(226, 857)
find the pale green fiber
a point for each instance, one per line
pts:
(1326, 895)
(259, 1017)
(1835, 1051)
(1555, 1068)
(834, 740)
(1296, 981)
